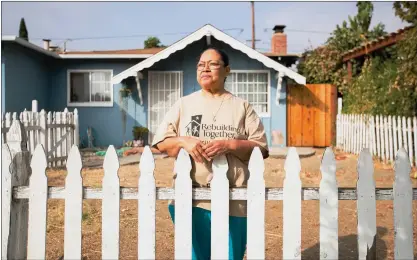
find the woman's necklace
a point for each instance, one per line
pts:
(215, 114)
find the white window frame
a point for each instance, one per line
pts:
(265, 114)
(89, 104)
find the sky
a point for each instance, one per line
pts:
(125, 25)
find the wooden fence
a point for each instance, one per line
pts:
(57, 131)
(311, 115)
(384, 135)
(24, 206)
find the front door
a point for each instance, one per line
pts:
(164, 89)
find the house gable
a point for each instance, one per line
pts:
(209, 31)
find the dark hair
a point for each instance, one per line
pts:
(225, 57)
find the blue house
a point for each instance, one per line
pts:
(114, 91)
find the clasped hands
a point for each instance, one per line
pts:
(200, 152)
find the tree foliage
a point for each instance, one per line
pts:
(407, 47)
(23, 32)
(385, 81)
(152, 42)
(357, 31)
(324, 64)
(407, 11)
(377, 91)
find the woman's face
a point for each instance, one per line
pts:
(211, 71)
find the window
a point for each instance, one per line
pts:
(90, 88)
(252, 86)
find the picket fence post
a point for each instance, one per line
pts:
(73, 206)
(64, 132)
(219, 209)
(292, 206)
(111, 206)
(403, 207)
(395, 134)
(400, 134)
(415, 140)
(183, 204)
(329, 203)
(382, 129)
(43, 123)
(146, 206)
(405, 133)
(410, 141)
(50, 142)
(256, 207)
(76, 129)
(6, 195)
(38, 199)
(366, 207)
(390, 139)
(58, 135)
(17, 142)
(386, 158)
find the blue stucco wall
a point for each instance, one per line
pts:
(3, 84)
(27, 78)
(106, 122)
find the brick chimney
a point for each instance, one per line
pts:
(279, 40)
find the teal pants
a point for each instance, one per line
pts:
(201, 237)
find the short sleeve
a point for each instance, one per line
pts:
(169, 126)
(255, 129)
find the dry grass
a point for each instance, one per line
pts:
(274, 175)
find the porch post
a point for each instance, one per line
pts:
(349, 70)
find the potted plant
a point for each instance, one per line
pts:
(138, 135)
(125, 92)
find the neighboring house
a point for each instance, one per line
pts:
(91, 81)
(376, 45)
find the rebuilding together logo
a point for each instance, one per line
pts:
(212, 131)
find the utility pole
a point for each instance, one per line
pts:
(253, 24)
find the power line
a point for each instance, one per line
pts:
(128, 36)
(302, 31)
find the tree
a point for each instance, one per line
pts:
(324, 64)
(357, 32)
(152, 42)
(407, 11)
(407, 47)
(23, 32)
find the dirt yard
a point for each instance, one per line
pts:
(274, 175)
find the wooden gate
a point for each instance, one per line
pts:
(311, 115)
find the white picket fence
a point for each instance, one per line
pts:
(383, 135)
(57, 131)
(24, 223)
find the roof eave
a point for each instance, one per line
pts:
(29, 45)
(105, 56)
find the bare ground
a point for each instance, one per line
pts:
(274, 175)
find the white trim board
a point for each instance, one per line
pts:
(197, 35)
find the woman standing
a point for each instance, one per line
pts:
(209, 123)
